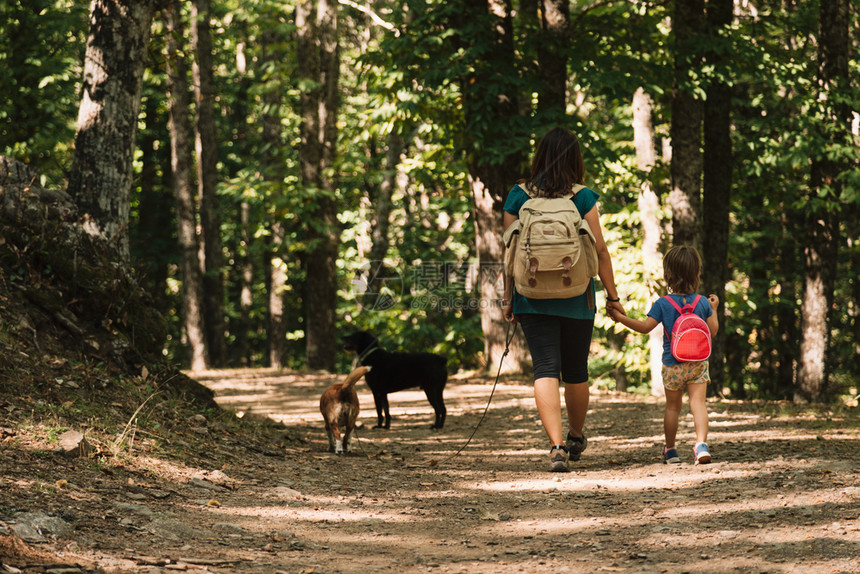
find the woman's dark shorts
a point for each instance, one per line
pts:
(559, 346)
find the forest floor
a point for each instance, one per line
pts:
(782, 494)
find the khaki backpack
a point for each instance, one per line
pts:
(550, 249)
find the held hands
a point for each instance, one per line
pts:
(615, 309)
(614, 314)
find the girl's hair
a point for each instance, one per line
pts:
(682, 267)
(557, 164)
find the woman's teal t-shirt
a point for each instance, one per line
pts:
(575, 307)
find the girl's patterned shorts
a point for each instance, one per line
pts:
(677, 377)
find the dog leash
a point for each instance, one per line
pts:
(360, 445)
(509, 336)
(366, 354)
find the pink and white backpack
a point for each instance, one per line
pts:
(690, 338)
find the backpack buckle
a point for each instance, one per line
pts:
(533, 267)
(565, 274)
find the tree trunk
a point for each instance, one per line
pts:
(788, 348)
(245, 263)
(273, 174)
(490, 182)
(686, 128)
(379, 226)
(276, 317)
(317, 50)
(652, 229)
(207, 179)
(378, 274)
(717, 183)
(854, 249)
(149, 243)
(822, 233)
(619, 373)
(101, 175)
(552, 59)
(183, 189)
(242, 326)
(488, 237)
(761, 249)
(382, 199)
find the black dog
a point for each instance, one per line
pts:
(393, 372)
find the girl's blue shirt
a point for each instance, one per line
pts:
(574, 307)
(663, 312)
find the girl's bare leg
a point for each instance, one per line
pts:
(699, 410)
(674, 402)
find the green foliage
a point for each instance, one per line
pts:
(779, 130)
(437, 83)
(427, 297)
(41, 51)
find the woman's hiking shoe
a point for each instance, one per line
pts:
(575, 446)
(670, 456)
(558, 459)
(700, 451)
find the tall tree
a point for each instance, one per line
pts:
(273, 175)
(686, 129)
(151, 247)
(206, 145)
(318, 62)
(181, 152)
(382, 195)
(787, 347)
(822, 232)
(381, 201)
(241, 350)
(552, 58)
(854, 233)
(490, 109)
(717, 176)
(102, 170)
(652, 230)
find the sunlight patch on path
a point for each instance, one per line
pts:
(317, 513)
(663, 477)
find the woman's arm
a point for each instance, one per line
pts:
(604, 260)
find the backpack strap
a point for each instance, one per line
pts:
(672, 302)
(678, 309)
(533, 191)
(695, 302)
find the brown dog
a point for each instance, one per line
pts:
(339, 407)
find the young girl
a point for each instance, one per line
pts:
(681, 269)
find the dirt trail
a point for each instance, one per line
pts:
(782, 495)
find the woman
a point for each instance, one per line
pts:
(559, 331)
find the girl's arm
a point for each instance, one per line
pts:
(645, 326)
(713, 321)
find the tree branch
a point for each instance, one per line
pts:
(373, 16)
